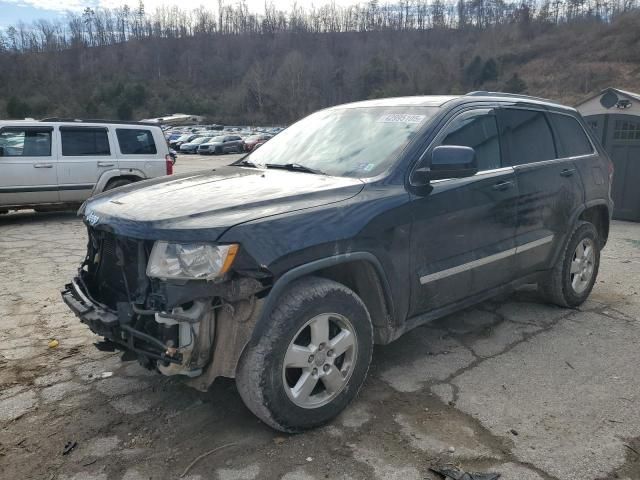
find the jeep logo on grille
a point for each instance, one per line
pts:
(92, 218)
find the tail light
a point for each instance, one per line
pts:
(169, 163)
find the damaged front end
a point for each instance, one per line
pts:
(179, 326)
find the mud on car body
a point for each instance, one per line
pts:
(349, 228)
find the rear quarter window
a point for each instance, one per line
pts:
(136, 141)
(572, 139)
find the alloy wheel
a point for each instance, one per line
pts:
(320, 360)
(582, 265)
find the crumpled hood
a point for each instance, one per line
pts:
(202, 205)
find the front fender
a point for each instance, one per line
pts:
(309, 268)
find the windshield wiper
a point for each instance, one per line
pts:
(295, 167)
(247, 163)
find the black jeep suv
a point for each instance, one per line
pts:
(349, 228)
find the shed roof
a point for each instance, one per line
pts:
(635, 96)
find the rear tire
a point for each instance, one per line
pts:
(570, 281)
(312, 358)
(117, 182)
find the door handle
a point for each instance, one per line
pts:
(42, 165)
(105, 164)
(503, 185)
(567, 172)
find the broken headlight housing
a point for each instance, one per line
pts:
(190, 261)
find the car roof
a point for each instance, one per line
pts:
(418, 101)
(75, 123)
(441, 100)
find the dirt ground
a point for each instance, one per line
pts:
(513, 386)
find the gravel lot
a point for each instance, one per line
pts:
(512, 386)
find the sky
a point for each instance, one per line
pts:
(13, 11)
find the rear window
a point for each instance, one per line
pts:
(528, 135)
(136, 141)
(84, 141)
(572, 140)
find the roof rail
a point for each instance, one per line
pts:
(482, 93)
(85, 120)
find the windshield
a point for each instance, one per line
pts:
(200, 140)
(184, 138)
(217, 139)
(350, 142)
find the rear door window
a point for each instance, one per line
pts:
(84, 141)
(25, 142)
(476, 129)
(528, 136)
(136, 141)
(572, 140)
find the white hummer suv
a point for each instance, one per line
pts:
(53, 163)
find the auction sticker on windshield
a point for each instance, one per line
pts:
(401, 118)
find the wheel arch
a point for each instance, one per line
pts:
(361, 272)
(130, 174)
(597, 214)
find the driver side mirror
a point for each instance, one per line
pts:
(448, 161)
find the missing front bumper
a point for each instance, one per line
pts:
(117, 328)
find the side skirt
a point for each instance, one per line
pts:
(432, 315)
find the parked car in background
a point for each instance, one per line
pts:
(52, 164)
(255, 141)
(185, 138)
(192, 146)
(172, 137)
(222, 144)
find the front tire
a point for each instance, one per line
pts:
(571, 280)
(312, 358)
(118, 182)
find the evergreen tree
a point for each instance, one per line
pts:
(515, 84)
(17, 109)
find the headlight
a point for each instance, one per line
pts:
(190, 261)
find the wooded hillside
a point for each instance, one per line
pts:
(238, 67)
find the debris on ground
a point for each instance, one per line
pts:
(197, 459)
(456, 473)
(54, 343)
(69, 446)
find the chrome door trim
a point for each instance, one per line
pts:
(485, 260)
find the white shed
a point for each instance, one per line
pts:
(614, 115)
